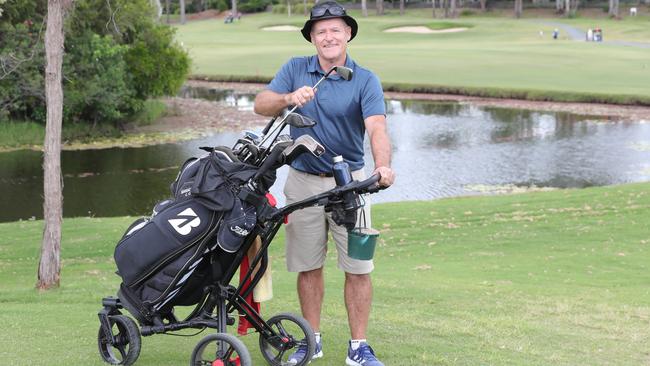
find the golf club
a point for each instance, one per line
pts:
(344, 72)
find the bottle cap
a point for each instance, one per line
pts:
(338, 159)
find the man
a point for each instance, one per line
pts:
(344, 110)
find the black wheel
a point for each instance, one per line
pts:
(220, 349)
(126, 348)
(291, 332)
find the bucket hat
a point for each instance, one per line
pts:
(328, 10)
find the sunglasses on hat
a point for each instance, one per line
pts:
(332, 9)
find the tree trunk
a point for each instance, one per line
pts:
(518, 8)
(452, 8)
(558, 6)
(364, 8)
(182, 8)
(156, 4)
(433, 8)
(483, 4)
(167, 10)
(380, 7)
(401, 7)
(49, 266)
(288, 8)
(613, 8)
(234, 8)
(567, 8)
(305, 12)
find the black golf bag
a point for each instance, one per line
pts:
(168, 259)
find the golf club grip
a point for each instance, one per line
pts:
(268, 125)
(268, 162)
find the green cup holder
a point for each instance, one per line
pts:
(362, 242)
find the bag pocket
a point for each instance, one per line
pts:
(162, 239)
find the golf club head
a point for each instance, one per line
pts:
(344, 72)
(299, 121)
(302, 144)
(252, 136)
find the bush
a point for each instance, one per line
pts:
(158, 64)
(252, 6)
(22, 57)
(296, 8)
(113, 62)
(97, 87)
(220, 5)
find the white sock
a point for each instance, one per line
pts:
(317, 334)
(355, 343)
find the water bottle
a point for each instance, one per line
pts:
(341, 171)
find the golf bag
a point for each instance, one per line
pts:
(168, 258)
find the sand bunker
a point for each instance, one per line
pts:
(423, 29)
(281, 28)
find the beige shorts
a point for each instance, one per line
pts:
(306, 232)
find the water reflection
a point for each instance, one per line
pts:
(243, 101)
(439, 150)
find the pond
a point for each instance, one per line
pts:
(439, 150)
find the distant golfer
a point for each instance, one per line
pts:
(344, 110)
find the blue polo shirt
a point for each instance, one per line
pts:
(339, 108)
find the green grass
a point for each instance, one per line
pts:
(151, 111)
(549, 278)
(25, 134)
(21, 133)
(496, 57)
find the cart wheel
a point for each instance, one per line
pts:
(126, 348)
(220, 349)
(291, 331)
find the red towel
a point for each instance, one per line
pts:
(244, 324)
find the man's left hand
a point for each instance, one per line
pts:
(387, 176)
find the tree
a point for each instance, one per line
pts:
(364, 8)
(483, 5)
(519, 8)
(401, 7)
(182, 8)
(613, 8)
(158, 7)
(234, 8)
(380, 7)
(567, 8)
(49, 267)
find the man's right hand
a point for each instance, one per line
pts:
(300, 96)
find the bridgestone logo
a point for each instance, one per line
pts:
(185, 221)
